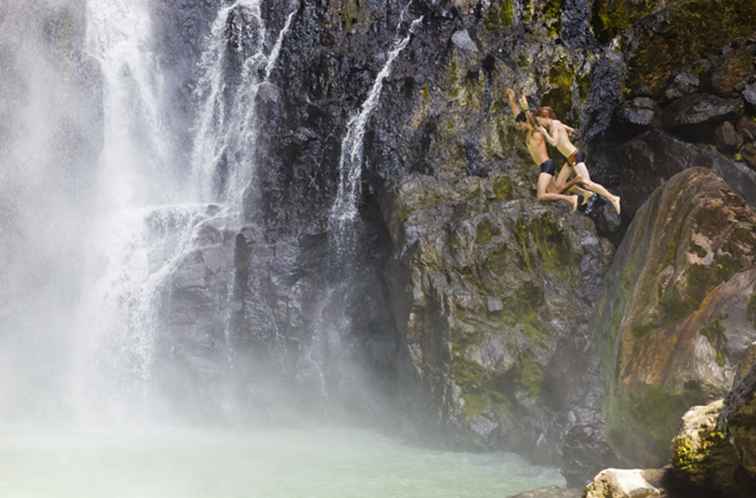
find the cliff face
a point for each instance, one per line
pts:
(460, 298)
(454, 298)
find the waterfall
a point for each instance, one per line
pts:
(136, 154)
(327, 353)
(225, 130)
(345, 207)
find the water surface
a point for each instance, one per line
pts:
(273, 464)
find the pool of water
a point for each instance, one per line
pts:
(271, 464)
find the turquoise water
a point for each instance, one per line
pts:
(273, 464)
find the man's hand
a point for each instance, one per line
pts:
(510, 93)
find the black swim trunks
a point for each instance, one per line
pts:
(548, 167)
(577, 157)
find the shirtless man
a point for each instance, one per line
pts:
(557, 135)
(547, 190)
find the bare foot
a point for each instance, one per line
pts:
(616, 203)
(573, 203)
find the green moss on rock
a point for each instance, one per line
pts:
(559, 97)
(499, 17)
(612, 17)
(658, 57)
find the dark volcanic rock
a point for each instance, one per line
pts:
(694, 115)
(653, 157)
(682, 84)
(727, 138)
(586, 452)
(739, 420)
(640, 111)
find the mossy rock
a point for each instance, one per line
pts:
(612, 17)
(688, 30)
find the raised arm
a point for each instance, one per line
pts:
(513, 102)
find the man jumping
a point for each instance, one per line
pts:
(558, 136)
(547, 189)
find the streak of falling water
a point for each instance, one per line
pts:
(135, 154)
(344, 209)
(226, 132)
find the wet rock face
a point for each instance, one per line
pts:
(586, 452)
(493, 298)
(713, 452)
(491, 294)
(653, 157)
(739, 420)
(673, 322)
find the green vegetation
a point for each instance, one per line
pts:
(559, 97)
(658, 57)
(499, 17)
(612, 17)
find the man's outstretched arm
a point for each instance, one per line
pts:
(513, 102)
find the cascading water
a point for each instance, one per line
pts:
(136, 157)
(345, 207)
(226, 128)
(326, 351)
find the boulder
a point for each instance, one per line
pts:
(749, 94)
(626, 483)
(700, 452)
(492, 298)
(748, 153)
(639, 111)
(739, 421)
(672, 322)
(695, 115)
(682, 84)
(714, 452)
(727, 138)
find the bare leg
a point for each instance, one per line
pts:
(582, 172)
(544, 180)
(564, 174)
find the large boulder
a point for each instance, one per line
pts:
(715, 449)
(673, 323)
(700, 452)
(626, 483)
(492, 296)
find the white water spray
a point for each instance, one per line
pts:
(136, 154)
(226, 133)
(344, 209)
